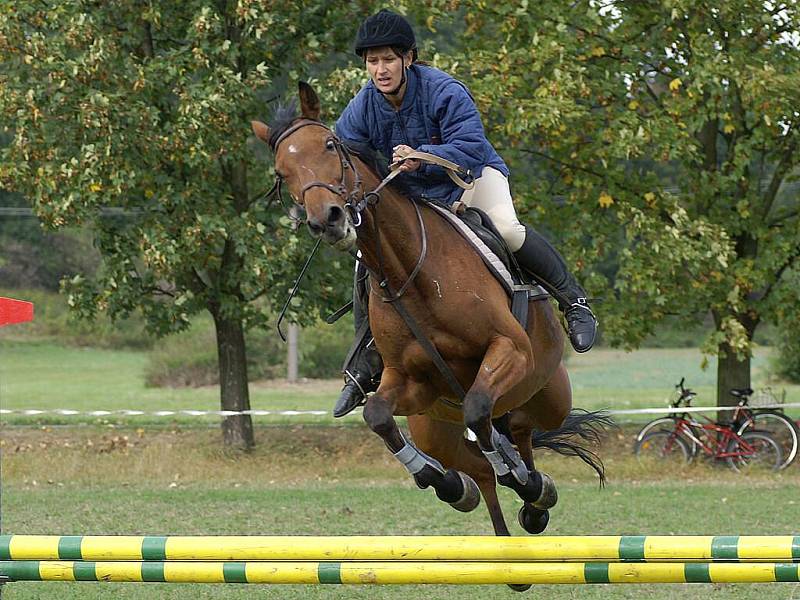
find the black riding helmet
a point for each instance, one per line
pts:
(386, 28)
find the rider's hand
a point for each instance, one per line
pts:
(399, 152)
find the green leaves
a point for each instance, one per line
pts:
(147, 109)
(637, 134)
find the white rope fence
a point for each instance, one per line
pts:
(298, 413)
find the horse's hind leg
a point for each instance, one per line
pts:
(502, 368)
(545, 411)
(451, 486)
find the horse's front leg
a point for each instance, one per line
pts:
(503, 367)
(451, 486)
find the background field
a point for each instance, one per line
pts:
(317, 480)
(313, 475)
(44, 375)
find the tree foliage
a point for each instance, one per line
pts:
(145, 107)
(660, 137)
(655, 140)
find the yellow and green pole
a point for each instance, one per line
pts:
(398, 572)
(416, 548)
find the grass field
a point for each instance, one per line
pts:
(315, 476)
(312, 480)
(43, 375)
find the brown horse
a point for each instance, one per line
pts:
(516, 379)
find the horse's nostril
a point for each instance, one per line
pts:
(315, 227)
(335, 214)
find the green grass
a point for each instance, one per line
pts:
(392, 509)
(336, 481)
(44, 375)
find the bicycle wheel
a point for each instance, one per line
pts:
(662, 448)
(780, 428)
(666, 424)
(660, 424)
(755, 451)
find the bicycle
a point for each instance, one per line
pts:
(781, 428)
(773, 422)
(687, 438)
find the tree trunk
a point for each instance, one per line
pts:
(237, 431)
(731, 373)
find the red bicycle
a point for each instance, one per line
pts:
(688, 438)
(773, 423)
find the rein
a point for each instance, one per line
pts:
(355, 202)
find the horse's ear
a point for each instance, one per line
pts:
(261, 130)
(309, 101)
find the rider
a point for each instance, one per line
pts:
(408, 106)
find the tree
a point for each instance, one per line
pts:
(145, 107)
(662, 136)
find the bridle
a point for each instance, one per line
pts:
(354, 198)
(356, 201)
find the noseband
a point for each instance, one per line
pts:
(354, 199)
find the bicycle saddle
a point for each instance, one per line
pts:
(742, 392)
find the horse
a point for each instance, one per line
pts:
(515, 378)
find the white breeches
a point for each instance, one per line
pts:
(492, 195)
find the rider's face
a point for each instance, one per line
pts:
(385, 68)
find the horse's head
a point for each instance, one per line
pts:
(317, 171)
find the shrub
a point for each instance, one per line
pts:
(786, 363)
(323, 347)
(189, 358)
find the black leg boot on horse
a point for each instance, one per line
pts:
(363, 365)
(543, 261)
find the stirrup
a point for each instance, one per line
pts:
(350, 378)
(352, 395)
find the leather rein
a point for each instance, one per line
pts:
(355, 202)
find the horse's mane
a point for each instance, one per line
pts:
(282, 118)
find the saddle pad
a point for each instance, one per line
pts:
(495, 265)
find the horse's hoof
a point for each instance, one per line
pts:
(470, 498)
(519, 587)
(549, 496)
(533, 520)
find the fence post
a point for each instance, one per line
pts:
(291, 358)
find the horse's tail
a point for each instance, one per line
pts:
(579, 428)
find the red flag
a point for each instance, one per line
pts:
(15, 311)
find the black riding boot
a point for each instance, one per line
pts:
(363, 366)
(543, 261)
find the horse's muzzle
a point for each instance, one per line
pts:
(335, 227)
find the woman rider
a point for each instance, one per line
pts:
(408, 106)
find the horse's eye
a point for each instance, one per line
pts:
(330, 145)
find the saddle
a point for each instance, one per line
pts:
(476, 227)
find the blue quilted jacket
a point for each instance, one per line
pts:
(438, 115)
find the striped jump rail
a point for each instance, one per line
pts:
(772, 549)
(398, 572)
